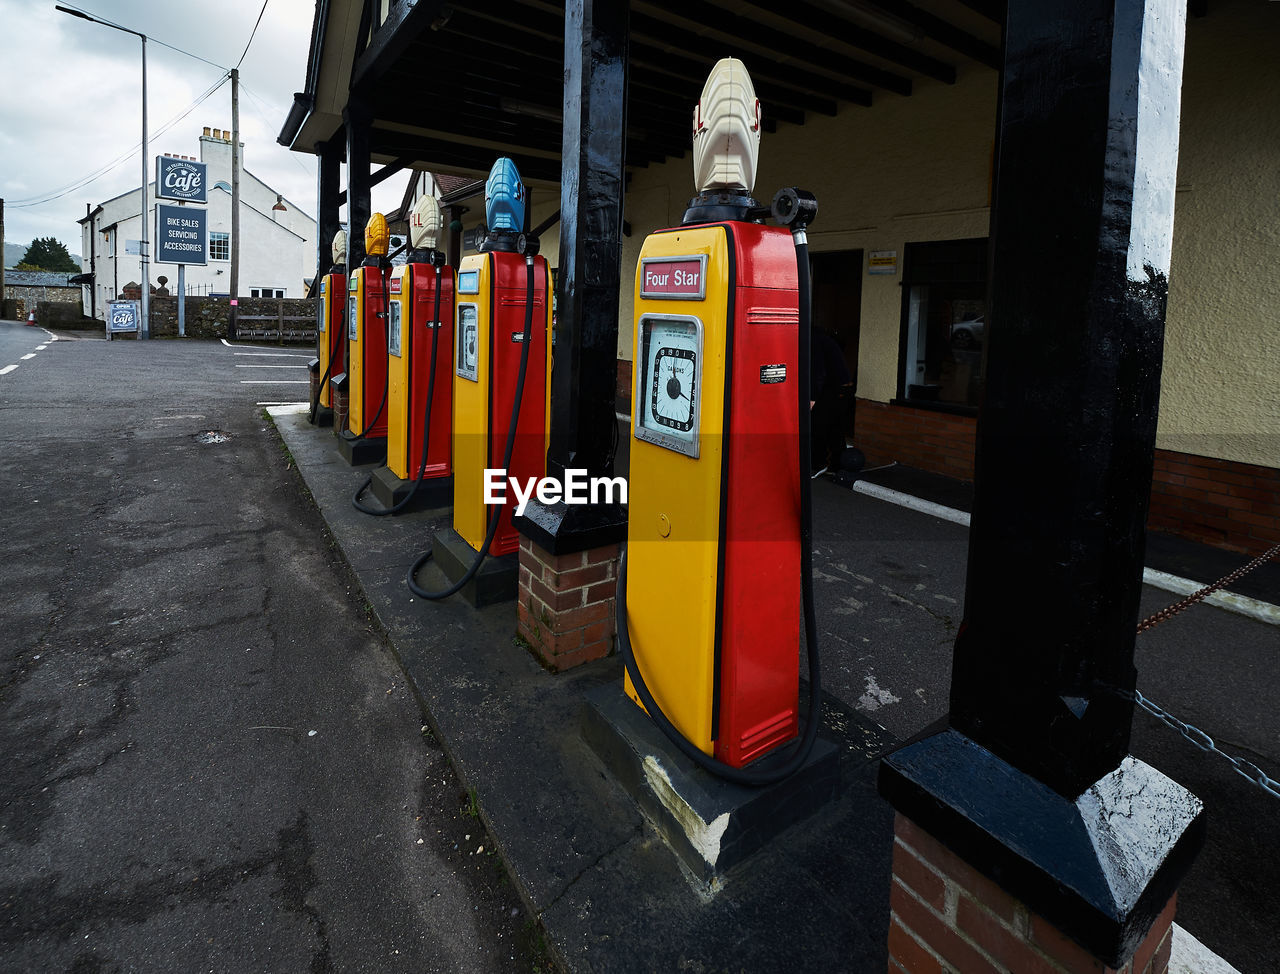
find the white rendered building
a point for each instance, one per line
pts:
(277, 240)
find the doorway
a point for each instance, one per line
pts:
(837, 310)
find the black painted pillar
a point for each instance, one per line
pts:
(328, 209)
(1081, 233)
(584, 382)
(359, 185)
(584, 377)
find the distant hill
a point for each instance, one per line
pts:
(13, 252)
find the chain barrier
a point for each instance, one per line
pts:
(1192, 733)
(1168, 612)
(1203, 741)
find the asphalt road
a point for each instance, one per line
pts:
(209, 759)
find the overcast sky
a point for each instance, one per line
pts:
(72, 99)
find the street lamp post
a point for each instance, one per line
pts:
(144, 243)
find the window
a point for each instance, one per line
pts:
(266, 292)
(219, 246)
(944, 291)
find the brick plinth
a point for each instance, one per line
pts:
(340, 398)
(566, 606)
(945, 916)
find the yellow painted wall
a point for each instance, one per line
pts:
(1221, 388)
(906, 169)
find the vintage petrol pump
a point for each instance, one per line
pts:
(364, 439)
(330, 343)
(419, 375)
(502, 379)
(711, 585)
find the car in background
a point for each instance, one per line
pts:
(967, 333)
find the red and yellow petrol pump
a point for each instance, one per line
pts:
(364, 439)
(711, 588)
(502, 373)
(419, 374)
(330, 346)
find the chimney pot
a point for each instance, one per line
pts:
(206, 131)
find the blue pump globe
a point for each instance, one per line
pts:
(504, 197)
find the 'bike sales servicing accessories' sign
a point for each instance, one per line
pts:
(181, 179)
(181, 236)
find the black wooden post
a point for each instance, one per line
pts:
(328, 215)
(584, 380)
(359, 186)
(1081, 233)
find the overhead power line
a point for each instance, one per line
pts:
(253, 33)
(50, 195)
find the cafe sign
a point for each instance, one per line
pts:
(181, 179)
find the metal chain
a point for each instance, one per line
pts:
(1172, 610)
(1203, 741)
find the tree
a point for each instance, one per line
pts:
(48, 254)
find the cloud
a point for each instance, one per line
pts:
(73, 99)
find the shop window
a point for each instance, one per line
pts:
(219, 246)
(943, 322)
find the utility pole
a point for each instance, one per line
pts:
(235, 201)
(146, 218)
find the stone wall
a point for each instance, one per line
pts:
(207, 317)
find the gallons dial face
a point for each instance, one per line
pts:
(352, 333)
(393, 328)
(468, 357)
(670, 382)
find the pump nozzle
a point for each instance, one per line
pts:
(340, 247)
(424, 224)
(377, 238)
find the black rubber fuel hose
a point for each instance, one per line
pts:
(386, 322)
(426, 422)
(496, 515)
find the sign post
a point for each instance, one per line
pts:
(181, 234)
(181, 238)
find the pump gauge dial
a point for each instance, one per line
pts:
(468, 352)
(670, 382)
(353, 333)
(393, 329)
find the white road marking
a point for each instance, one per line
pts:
(270, 366)
(7, 369)
(273, 355)
(1242, 604)
(286, 408)
(41, 348)
(28, 355)
(275, 382)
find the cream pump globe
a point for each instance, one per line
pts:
(424, 223)
(726, 130)
(340, 247)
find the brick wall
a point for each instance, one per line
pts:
(946, 916)
(1220, 502)
(923, 438)
(566, 603)
(624, 380)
